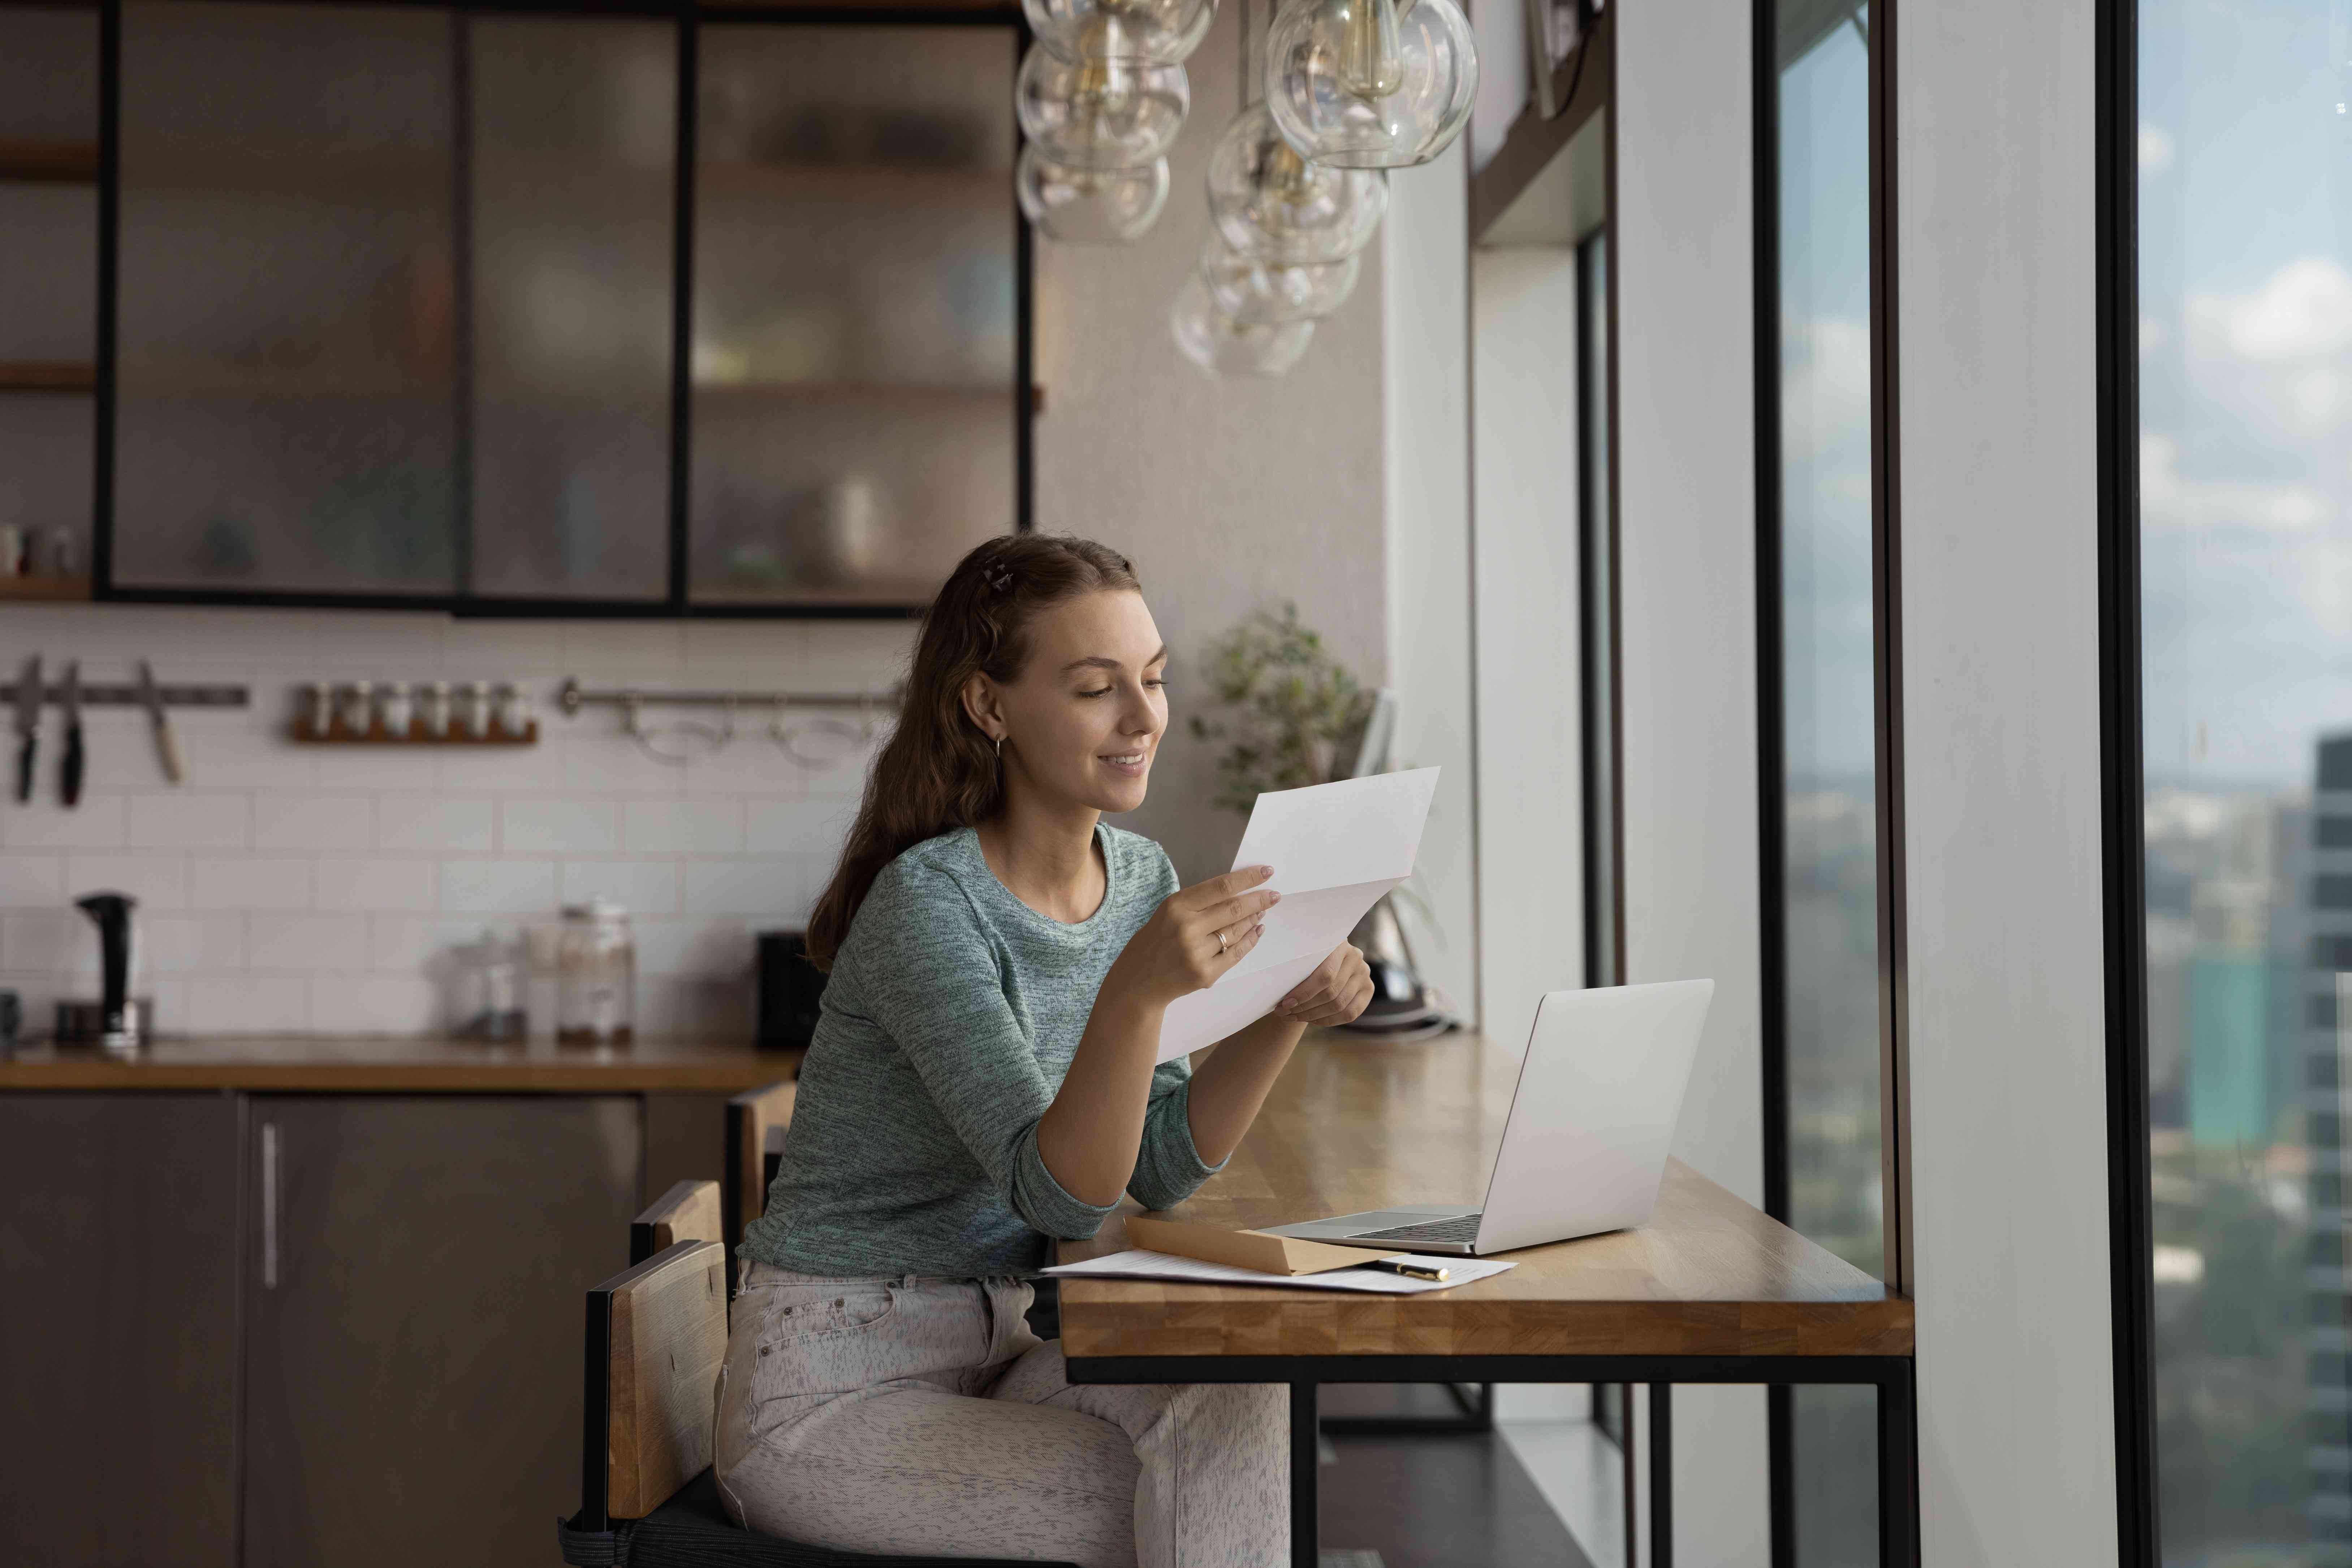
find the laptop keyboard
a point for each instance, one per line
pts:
(1456, 1227)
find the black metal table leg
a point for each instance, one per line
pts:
(1898, 1470)
(1662, 1471)
(1305, 1456)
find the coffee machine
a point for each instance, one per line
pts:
(117, 1020)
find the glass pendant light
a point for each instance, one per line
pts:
(1163, 31)
(1100, 114)
(1271, 203)
(1222, 346)
(1097, 205)
(1254, 294)
(1370, 84)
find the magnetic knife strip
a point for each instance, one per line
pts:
(127, 696)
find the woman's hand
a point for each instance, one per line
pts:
(1194, 936)
(1337, 993)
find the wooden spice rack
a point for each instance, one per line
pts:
(339, 734)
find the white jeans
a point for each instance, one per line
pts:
(921, 1416)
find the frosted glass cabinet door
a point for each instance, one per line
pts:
(574, 164)
(856, 302)
(285, 412)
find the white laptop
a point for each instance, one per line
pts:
(1584, 1149)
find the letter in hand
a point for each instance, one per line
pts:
(1194, 937)
(1337, 993)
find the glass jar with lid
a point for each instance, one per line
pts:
(595, 975)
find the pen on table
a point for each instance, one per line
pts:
(1412, 1270)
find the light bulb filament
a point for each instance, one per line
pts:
(1370, 64)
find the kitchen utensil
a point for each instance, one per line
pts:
(167, 745)
(28, 724)
(70, 766)
(115, 1021)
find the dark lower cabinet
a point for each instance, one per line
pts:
(119, 1260)
(413, 1277)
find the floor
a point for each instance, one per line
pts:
(1440, 1500)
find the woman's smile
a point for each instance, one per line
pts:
(1131, 764)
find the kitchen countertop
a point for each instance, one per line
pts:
(378, 1064)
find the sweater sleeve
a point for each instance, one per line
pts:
(1168, 1164)
(931, 980)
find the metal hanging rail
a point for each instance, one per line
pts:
(573, 697)
(116, 695)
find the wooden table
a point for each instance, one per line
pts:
(1712, 1290)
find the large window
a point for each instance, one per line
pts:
(1825, 831)
(2244, 155)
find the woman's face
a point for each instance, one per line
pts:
(1084, 719)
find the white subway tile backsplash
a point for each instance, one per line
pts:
(374, 1004)
(438, 824)
(190, 944)
(694, 826)
(641, 887)
(249, 1004)
(533, 826)
(248, 882)
(815, 827)
(40, 824)
(772, 888)
(313, 821)
(498, 887)
(290, 887)
(310, 941)
(32, 881)
(183, 819)
(372, 884)
(157, 881)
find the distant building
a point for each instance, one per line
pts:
(2325, 879)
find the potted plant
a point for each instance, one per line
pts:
(1293, 705)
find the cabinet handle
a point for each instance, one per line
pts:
(269, 1205)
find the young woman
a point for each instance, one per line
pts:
(982, 1079)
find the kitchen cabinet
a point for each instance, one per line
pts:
(119, 1259)
(461, 309)
(412, 1337)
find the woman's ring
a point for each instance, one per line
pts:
(1221, 944)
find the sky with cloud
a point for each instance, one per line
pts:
(2246, 386)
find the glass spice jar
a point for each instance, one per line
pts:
(595, 975)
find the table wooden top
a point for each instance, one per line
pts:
(384, 1064)
(1362, 1125)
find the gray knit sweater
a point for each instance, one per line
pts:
(952, 1012)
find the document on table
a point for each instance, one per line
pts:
(1138, 1264)
(1334, 849)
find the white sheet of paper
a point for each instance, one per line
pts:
(1334, 849)
(1138, 1264)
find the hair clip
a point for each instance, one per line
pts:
(1000, 578)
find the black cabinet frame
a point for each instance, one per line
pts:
(691, 18)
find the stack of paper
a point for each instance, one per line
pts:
(1334, 849)
(1138, 1264)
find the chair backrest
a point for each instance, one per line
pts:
(688, 1212)
(657, 1337)
(752, 1116)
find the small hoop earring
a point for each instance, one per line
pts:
(1000, 747)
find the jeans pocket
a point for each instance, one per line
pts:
(823, 1340)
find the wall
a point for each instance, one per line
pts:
(1230, 495)
(2000, 504)
(1530, 779)
(285, 888)
(1685, 423)
(1425, 312)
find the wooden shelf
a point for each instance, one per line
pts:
(63, 589)
(855, 392)
(48, 161)
(47, 376)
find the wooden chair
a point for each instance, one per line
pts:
(756, 1121)
(657, 1337)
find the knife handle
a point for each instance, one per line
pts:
(168, 744)
(69, 767)
(24, 767)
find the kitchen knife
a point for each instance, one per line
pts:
(69, 765)
(167, 745)
(28, 724)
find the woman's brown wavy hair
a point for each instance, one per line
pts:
(938, 772)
